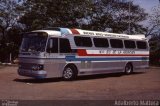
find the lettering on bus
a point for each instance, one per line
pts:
(88, 33)
(104, 34)
(104, 51)
(129, 52)
(116, 52)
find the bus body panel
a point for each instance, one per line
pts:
(88, 60)
(54, 66)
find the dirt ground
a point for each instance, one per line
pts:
(138, 86)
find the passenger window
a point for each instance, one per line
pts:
(129, 44)
(83, 41)
(116, 43)
(65, 46)
(52, 46)
(101, 42)
(141, 45)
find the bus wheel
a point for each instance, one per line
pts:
(69, 73)
(128, 68)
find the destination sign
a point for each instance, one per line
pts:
(104, 34)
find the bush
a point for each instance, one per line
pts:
(155, 58)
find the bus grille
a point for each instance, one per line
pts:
(26, 66)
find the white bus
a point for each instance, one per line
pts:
(68, 53)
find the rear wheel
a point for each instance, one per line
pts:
(69, 73)
(128, 68)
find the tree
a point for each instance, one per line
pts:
(8, 15)
(11, 45)
(85, 14)
(51, 13)
(9, 30)
(154, 20)
(115, 14)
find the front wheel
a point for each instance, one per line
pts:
(69, 73)
(128, 69)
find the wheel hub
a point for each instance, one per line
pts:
(68, 73)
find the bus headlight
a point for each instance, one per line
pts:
(37, 67)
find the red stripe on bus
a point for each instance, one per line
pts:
(74, 31)
(82, 52)
(116, 55)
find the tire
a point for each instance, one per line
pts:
(128, 68)
(69, 73)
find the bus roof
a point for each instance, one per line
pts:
(67, 31)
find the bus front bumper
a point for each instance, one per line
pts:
(40, 74)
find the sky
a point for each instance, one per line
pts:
(148, 6)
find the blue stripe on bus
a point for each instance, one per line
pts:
(73, 58)
(64, 31)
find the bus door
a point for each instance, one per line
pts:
(57, 50)
(52, 55)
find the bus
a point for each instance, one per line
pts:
(68, 53)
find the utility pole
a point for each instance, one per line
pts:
(129, 22)
(10, 57)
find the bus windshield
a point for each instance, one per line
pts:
(34, 42)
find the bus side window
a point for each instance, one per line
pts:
(65, 46)
(116, 43)
(101, 42)
(83, 41)
(52, 46)
(129, 44)
(141, 45)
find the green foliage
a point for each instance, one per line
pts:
(9, 39)
(155, 58)
(85, 14)
(11, 44)
(8, 15)
(55, 13)
(115, 15)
